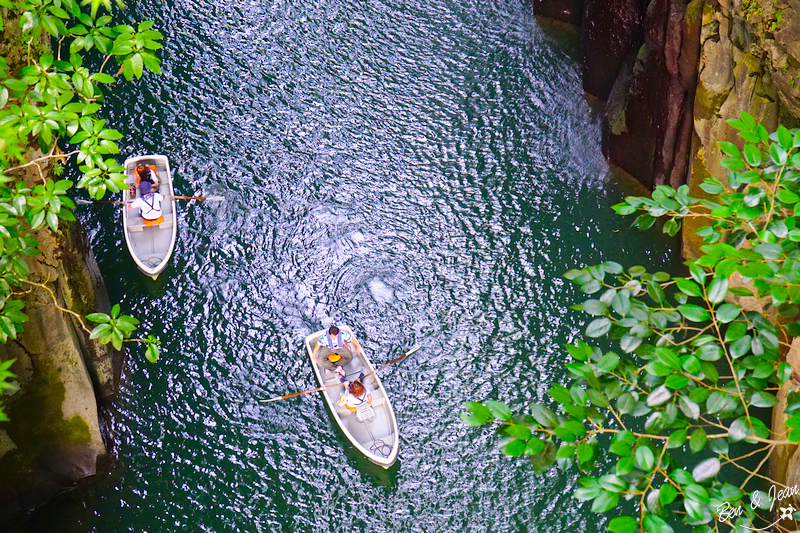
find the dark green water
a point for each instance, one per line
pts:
(423, 171)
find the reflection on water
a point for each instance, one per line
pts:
(422, 171)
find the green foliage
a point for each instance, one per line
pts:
(5, 377)
(689, 369)
(53, 101)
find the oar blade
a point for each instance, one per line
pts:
(414, 349)
(272, 399)
(81, 201)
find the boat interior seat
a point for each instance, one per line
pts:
(135, 222)
(344, 411)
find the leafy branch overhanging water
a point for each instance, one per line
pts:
(682, 408)
(52, 101)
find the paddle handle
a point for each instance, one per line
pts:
(393, 361)
(412, 350)
(209, 198)
(299, 393)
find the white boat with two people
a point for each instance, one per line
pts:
(372, 429)
(150, 245)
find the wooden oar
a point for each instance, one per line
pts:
(207, 198)
(81, 201)
(412, 350)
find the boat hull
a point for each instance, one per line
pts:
(150, 247)
(377, 439)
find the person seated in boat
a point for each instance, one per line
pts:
(141, 174)
(149, 205)
(356, 395)
(337, 349)
(146, 173)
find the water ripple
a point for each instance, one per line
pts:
(423, 171)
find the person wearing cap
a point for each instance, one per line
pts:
(337, 349)
(149, 205)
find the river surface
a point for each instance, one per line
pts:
(423, 171)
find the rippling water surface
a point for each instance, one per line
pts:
(423, 171)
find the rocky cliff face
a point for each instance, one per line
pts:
(691, 66)
(640, 56)
(750, 61)
(54, 435)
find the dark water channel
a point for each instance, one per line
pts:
(423, 171)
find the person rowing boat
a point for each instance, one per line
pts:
(149, 205)
(337, 347)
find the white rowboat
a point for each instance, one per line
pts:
(151, 247)
(377, 438)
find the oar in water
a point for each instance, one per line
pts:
(80, 201)
(412, 350)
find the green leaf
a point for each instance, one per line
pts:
(560, 394)
(688, 287)
(608, 362)
(784, 372)
(594, 307)
(668, 357)
(479, 411)
(137, 65)
(718, 290)
(99, 317)
(598, 327)
(545, 416)
(515, 448)
(654, 524)
(698, 440)
(694, 313)
(728, 312)
(624, 465)
(605, 502)
(99, 330)
(752, 155)
(613, 483)
(740, 347)
(716, 402)
(697, 493)
(621, 303)
(667, 494)
(519, 431)
(739, 430)
(543, 461)
(623, 524)
(676, 381)
(644, 457)
(566, 452)
(499, 410)
(689, 408)
(589, 492)
(470, 420)
(534, 446)
(585, 452)
(763, 399)
(625, 403)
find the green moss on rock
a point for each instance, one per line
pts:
(37, 423)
